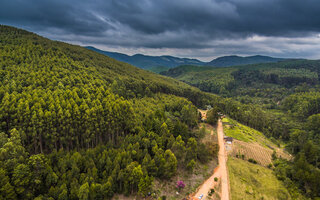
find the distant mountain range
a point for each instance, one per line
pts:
(154, 62)
(147, 62)
(226, 61)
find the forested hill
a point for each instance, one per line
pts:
(227, 61)
(75, 124)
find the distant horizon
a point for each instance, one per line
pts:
(132, 53)
(213, 58)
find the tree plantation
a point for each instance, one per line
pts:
(77, 125)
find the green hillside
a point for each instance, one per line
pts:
(158, 69)
(250, 181)
(226, 61)
(75, 124)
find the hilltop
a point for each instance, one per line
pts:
(233, 60)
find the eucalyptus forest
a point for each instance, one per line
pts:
(75, 129)
(75, 124)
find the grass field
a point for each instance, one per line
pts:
(249, 181)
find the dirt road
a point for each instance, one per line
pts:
(220, 171)
(223, 164)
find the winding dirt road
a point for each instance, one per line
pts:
(220, 172)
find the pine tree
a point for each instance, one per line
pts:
(83, 193)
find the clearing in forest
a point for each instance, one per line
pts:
(250, 143)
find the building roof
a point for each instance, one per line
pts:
(228, 139)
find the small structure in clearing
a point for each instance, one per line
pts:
(228, 140)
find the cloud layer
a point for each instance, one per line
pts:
(192, 28)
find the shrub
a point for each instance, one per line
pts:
(211, 192)
(216, 179)
(191, 165)
(252, 160)
(180, 185)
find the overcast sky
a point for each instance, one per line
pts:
(202, 29)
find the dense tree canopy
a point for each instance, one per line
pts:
(78, 125)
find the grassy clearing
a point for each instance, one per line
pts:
(249, 181)
(238, 131)
(251, 143)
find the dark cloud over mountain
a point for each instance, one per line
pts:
(202, 26)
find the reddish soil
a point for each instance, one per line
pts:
(220, 172)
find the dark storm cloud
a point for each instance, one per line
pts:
(181, 24)
(68, 16)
